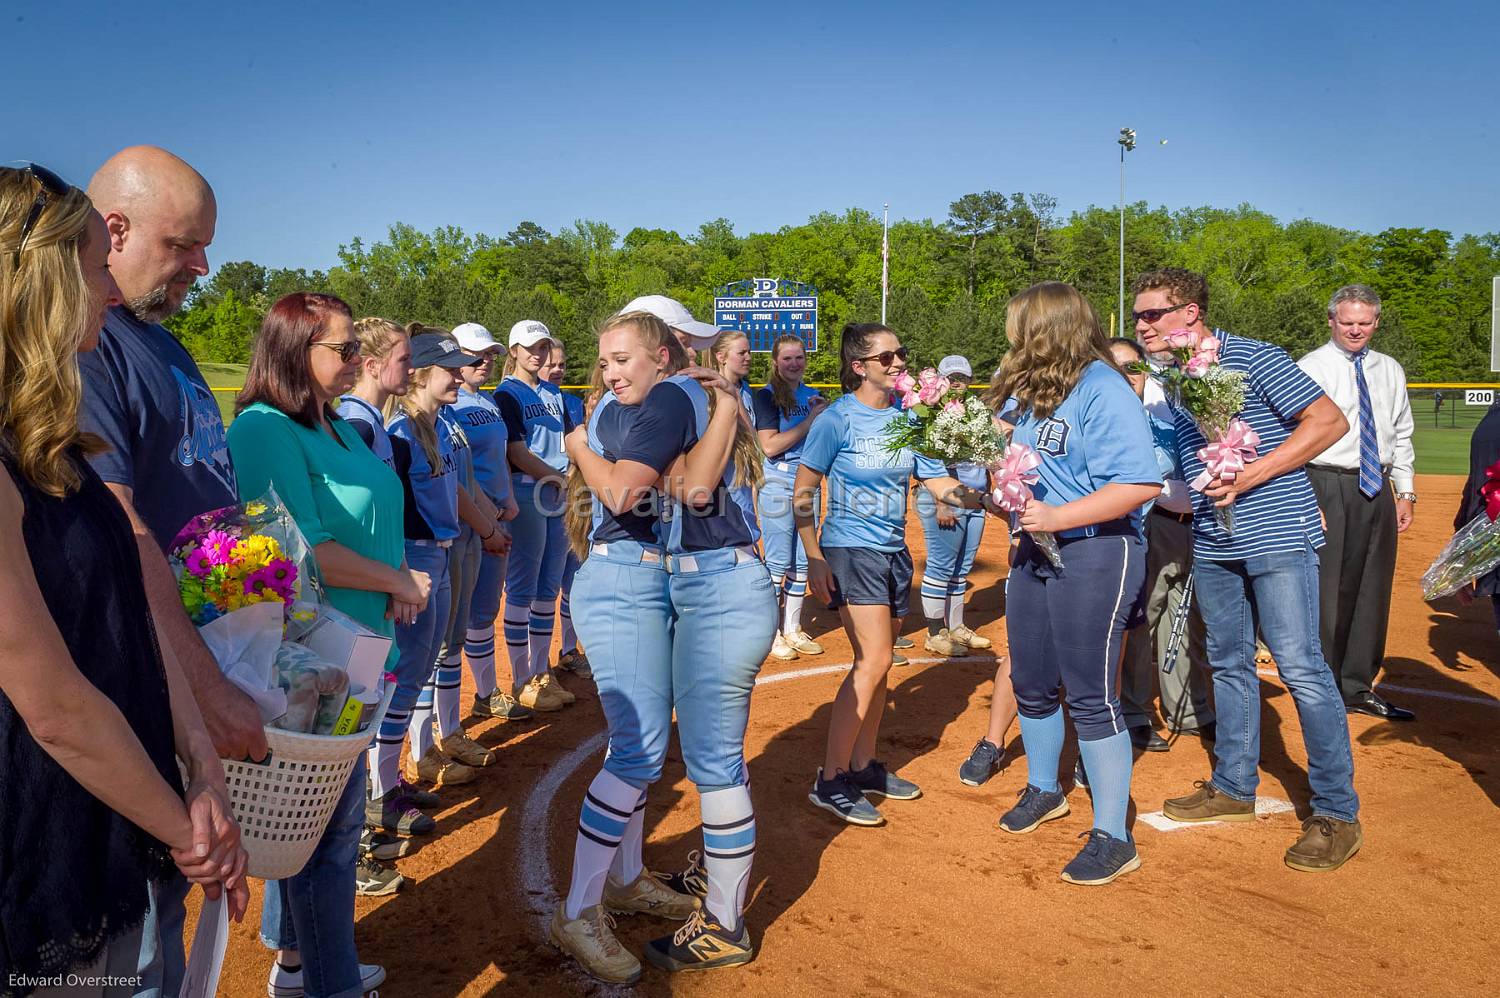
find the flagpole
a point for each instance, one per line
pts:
(885, 261)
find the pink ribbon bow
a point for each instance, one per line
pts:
(1013, 477)
(1226, 457)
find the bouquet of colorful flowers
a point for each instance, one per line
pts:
(1012, 478)
(239, 556)
(1213, 395)
(944, 421)
(1473, 551)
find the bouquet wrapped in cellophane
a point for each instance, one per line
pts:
(1471, 552)
(944, 421)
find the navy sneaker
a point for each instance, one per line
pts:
(1034, 807)
(876, 779)
(692, 881)
(844, 799)
(1104, 859)
(981, 764)
(1081, 776)
(701, 944)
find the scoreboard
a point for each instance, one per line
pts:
(772, 309)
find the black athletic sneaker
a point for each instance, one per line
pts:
(982, 763)
(383, 846)
(701, 944)
(1081, 776)
(1103, 859)
(844, 799)
(693, 881)
(395, 814)
(373, 878)
(876, 779)
(1034, 807)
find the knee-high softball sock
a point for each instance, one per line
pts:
(420, 726)
(384, 756)
(539, 637)
(1109, 761)
(791, 616)
(728, 851)
(1042, 738)
(627, 863)
(514, 625)
(607, 809)
(479, 649)
(933, 609)
(565, 625)
(449, 677)
(956, 608)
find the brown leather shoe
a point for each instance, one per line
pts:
(1208, 803)
(1326, 844)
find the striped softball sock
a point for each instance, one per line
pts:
(479, 649)
(450, 676)
(419, 728)
(934, 598)
(606, 812)
(515, 643)
(565, 625)
(539, 636)
(728, 851)
(384, 757)
(627, 863)
(796, 595)
(956, 590)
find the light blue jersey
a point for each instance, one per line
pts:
(431, 493)
(867, 484)
(463, 450)
(369, 424)
(1098, 436)
(488, 436)
(540, 414)
(769, 416)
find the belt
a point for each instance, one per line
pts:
(1179, 517)
(432, 544)
(648, 556)
(1385, 470)
(690, 564)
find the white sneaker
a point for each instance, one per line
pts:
(941, 643)
(781, 649)
(964, 636)
(590, 939)
(800, 642)
(288, 983)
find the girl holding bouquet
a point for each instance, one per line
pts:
(785, 411)
(860, 564)
(1067, 624)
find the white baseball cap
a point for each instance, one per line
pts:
(529, 332)
(473, 337)
(675, 314)
(951, 364)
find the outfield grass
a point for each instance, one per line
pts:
(1441, 439)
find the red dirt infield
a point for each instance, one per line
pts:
(940, 902)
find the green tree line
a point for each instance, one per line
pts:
(949, 279)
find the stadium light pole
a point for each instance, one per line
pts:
(885, 260)
(1127, 143)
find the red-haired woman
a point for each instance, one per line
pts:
(348, 504)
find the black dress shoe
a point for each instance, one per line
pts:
(1147, 740)
(1371, 703)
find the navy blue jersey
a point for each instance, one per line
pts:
(608, 428)
(768, 416)
(670, 422)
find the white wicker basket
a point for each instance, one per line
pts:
(283, 804)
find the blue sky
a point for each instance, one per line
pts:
(320, 121)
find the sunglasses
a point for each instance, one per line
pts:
(347, 350)
(886, 357)
(53, 188)
(1153, 314)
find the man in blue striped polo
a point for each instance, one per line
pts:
(1262, 572)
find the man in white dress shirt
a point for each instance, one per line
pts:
(1364, 488)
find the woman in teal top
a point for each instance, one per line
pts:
(348, 504)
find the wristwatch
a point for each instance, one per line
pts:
(1410, 497)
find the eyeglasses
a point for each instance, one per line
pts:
(886, 357)
(347, 349)
(53, 187)
(1153, 314)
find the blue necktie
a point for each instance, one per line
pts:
(1369, 448)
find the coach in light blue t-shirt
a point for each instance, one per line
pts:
(1267, 560)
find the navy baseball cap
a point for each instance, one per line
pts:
(438, 350)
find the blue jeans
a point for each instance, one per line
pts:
(1279, 592)
(726, 621)
(623, 612)
(313, 911)
(162, 962)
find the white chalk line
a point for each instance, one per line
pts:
(536, 869)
